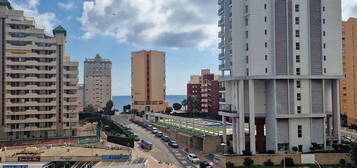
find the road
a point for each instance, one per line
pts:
(160, 151)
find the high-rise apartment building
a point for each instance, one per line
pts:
(348, 86)
(148, 83)
(204, 87)
(281, 61)
(97, 82)
(39, 90)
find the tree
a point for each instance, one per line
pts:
(184, 104)
(168, 110)
(194, 102)
(108, 109)
(89, 109)
(353, 153)
(177, 106)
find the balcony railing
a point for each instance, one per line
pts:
(220, 2)
(221, 34)
(227, 109)
(221, 56)
(221, 21)
(222, 88)
(220, 10)
(220, 45)
(222, 100)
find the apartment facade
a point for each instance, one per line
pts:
(348, 92)
(281, 62)
(206, 88)
(39, 90)
(97, 82)
(148, 81)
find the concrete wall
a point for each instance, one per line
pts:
(321, 158)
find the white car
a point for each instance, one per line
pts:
(193, 158)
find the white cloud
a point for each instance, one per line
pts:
(67, 6)
(349, 9)
(45, 20)
(162, 23)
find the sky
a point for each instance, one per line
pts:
(185, 29)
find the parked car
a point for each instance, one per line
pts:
(146, 145)
(205, 164)
(158, 134)
(173, 144)
(193, 158)
(165, 138)
(154, 132)
(136, 137)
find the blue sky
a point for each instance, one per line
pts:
(185, 29)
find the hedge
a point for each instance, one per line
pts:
(121, 140)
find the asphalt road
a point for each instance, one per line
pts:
(160, 151)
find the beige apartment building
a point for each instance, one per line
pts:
(348, 86)
(148, 81)
(97, 82)
(39, 83)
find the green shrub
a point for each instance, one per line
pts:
(228, 150)
(268, 163)
(129, 142)
(288, 162)
(343, 162)
(248, 161)
(229, 165)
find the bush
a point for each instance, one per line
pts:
(248, 161)
(229, 165)
(288, 162)
(343, 162)
(295, 149)
(268, 163)
(247, 153)
(228, 150)
(125, 141)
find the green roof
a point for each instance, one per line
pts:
(59, 29)
(5, 3)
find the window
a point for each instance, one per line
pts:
(265, 19)
(298, 96)
(265, 6)
(324, 33)
(297, 59)
(266, 70)
(324, 70)
(298, 109)
(324, 45)
(246, 21)
(246, 46)
(300, 131)
(247, 71)
(266, 44)
(297, 33)
(297, 46)
(297, 71)
(324, 57)
(246, 9)
(298, 84)
(300, 148)
(266, 57)
(246, 59)
(323, 9)
(297, 8)
(246, 34)
(265, 32)
(297, 20)
(323, 21)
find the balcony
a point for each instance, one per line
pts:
(220, 45)
(221, 56)
(226, 66)
(222, 88)
(221, 22)
(220, 10)
(220, 34)
(227, 111)
(220, 2)
(222, 100)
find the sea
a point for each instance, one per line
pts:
(120, 101)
